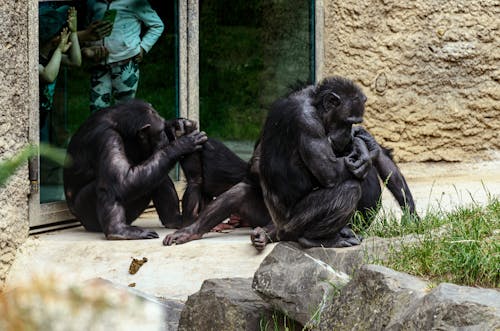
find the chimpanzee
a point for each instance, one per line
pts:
(118, 161)
(209, 173)
(311, 169)
(310, 192)
(244, 199)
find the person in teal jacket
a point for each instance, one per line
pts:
(116, 75)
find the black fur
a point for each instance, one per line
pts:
(308, 190)
(118, 161)
(209, 173)
(310, 171)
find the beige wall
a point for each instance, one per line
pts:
(16, 100)
(431, 71)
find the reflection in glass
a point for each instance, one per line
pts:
(251, 53)
(157, 85)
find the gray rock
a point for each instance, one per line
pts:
(225, 304)
(379, 298)
(453, 307)
(349, 259)
(374, 297)
(296, 283)
(173, 309)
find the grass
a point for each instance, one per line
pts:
(279, 322)
(461, 246)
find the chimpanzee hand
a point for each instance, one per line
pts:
(123, 232)
(180, 126)
(190, 142)
(184, 126)
(359, 161)
(180, 237)
(371, 143)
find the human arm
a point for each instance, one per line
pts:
(74, 56)
(49, 72)
(95, 27)
(95, 31)
(152, 22)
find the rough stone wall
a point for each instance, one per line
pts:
(430, 69)
(14, 117)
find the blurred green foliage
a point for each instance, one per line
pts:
(9, 166)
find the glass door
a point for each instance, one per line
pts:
(157, 84)
(251, 53)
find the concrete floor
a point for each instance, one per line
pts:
(175, 272)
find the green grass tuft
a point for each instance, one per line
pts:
(460, 247)
(279, 322)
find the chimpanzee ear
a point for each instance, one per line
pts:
(144, 131)
(331, 100)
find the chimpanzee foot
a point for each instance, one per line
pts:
(348, 235)
(129, 232)
(180, 237)
(260, 238)
(345, 238)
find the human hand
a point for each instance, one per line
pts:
(140, 56)
(95, 53)
(72, 21)
(98, 30)
(64, 44)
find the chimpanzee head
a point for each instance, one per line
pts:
(151, 135)
(340, 104)
(141, 128)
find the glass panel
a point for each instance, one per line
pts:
(157, 85)
(251, 52)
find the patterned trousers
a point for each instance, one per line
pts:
(115, 82)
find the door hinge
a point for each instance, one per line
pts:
(33, 175)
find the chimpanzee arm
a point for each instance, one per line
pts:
(387, 170)
(192, 199)
(393, 178)
(317, 154)
(261, 236)
(240, 198)
(135, 180)
(371, 144)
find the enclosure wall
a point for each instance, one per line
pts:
(18, 77)
(430, 69)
